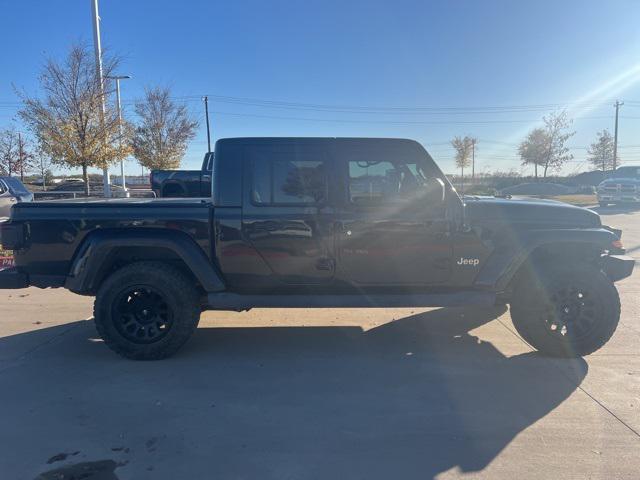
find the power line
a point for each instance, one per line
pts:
(450, 110)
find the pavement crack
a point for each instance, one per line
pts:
(578, 386)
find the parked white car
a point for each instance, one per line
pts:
(622, 187)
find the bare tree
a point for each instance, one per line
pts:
(9, 152)
(601, 151)
(165, 128)
(68, 121)
(43, 163)
(557, 126)
(25, 156)
(463, 148)
(546, 147)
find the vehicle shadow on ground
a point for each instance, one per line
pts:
(410, 399)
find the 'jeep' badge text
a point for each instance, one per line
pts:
(468, 261)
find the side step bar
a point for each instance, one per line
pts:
(237, 302)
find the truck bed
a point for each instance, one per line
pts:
(58, 228)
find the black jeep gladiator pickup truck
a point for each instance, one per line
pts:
(183, 183)
(314, 222)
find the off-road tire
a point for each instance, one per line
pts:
(176, 293)
(580, 298)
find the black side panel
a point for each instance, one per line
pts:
(87, 266)
(227, 175)
(54, 231)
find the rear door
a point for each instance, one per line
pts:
(387, 235)
(287, 215)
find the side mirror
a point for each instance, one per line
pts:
(434, 191)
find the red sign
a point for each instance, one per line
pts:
(7, 262)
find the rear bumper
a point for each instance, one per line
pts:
(12, 279)
(618, 267)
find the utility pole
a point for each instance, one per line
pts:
(206, 113)
(618, 104)
(98, 50)
(117, 78)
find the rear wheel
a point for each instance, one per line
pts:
(146, 310)
(566, 311)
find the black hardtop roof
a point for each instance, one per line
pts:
(312, 140)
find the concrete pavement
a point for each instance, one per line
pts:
(317, 394)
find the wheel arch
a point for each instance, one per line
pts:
(506, 265)
(105, 251)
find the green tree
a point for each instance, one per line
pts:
(533, 148)
(463, 148)
(601, 151)
(546, 147)
(164, 131)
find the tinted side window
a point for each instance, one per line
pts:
(3, 189)
(283, 179)
(301, 181)
(385, 182)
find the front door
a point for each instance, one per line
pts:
(286, 214)
(386, 234)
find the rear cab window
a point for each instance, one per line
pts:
(288, 177)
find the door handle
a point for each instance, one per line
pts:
(340, 227)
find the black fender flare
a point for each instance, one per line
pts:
(504, 262)
(89, 258)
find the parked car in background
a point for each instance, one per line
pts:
(12, 191)
(184, 183)
(623, 186)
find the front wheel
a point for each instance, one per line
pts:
(146, 310)
(566, 311)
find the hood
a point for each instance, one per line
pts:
(543, 213)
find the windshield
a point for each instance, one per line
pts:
(15, 186)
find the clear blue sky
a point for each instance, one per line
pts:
(450, 53)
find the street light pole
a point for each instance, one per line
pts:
(98, 51)
(117, 78)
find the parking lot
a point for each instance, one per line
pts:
(296, 394)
